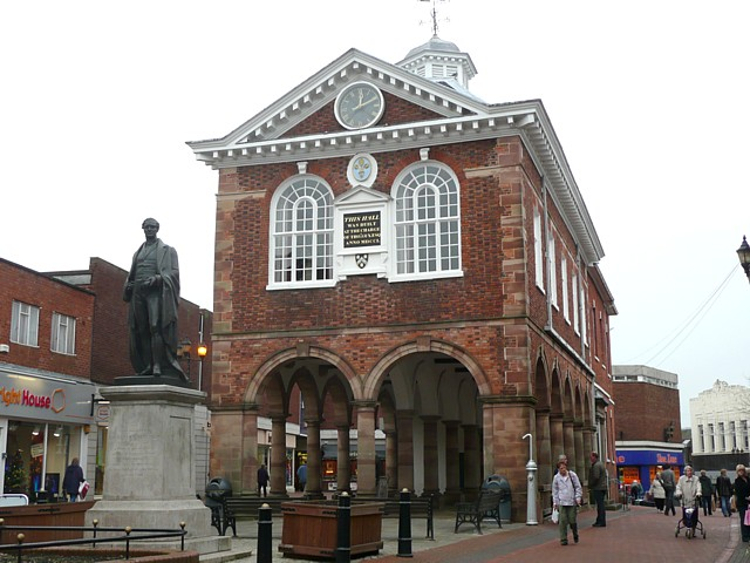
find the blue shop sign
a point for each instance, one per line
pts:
(649, 457)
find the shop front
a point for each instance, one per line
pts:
(641, 465)
(45, 420)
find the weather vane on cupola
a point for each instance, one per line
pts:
(434, 16)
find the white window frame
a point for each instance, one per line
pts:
(24, 326)
(574, 292)
(564, 279)
(584, 328)
(538, 257)
(301, 234)
(553, 273)
(427, 223)
(63, 336)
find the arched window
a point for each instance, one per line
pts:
(428, 216)
(302, 233)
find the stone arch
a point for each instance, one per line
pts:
(556, 393)
(542, 383)
(340, 399)
(380, 370)
(298, 352)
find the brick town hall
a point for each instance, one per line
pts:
(414, 260)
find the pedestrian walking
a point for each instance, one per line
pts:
(741, 498)
(262, 481)
(657, 490)
(302, 477)
(73, 479)
(598, 486)
(706, 492)
(724, 492)
(668, 480)
(566, 498)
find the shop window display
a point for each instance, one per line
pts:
(36, 465)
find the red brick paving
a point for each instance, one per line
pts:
(642, 535)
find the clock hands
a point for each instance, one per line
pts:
(363, 104)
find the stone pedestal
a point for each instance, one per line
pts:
(151, 463)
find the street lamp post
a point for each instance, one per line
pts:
(744, 254)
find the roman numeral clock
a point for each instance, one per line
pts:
(359, 105)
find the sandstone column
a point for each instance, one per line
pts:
(544, 460)
(343, 467)
(314, 459)
(452, 475)
(431, 461)
(570, 444)
(405, 449)
(391, 461)
(366, 482)
(277, 471)
(472, 461)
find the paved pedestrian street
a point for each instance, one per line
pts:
(639, 535)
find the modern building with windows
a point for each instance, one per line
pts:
(415, 261)
(719, 421)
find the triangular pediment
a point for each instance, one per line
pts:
(438, 100)
(361, 195)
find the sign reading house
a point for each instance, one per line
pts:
(361, 229)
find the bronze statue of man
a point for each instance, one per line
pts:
(153, 291)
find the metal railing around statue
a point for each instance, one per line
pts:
(126, 535)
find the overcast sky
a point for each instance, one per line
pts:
(650, 101)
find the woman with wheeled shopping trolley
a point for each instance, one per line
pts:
(689, 492)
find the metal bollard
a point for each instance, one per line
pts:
(404, 524)
(265, 534)
(344, 519)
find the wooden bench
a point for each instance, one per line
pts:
(487, 505)
(421, 507)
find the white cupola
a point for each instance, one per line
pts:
(440, 61)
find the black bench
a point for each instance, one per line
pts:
(487, 505)
(421, 507)
(225, 514)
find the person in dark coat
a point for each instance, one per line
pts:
(262, 481)
(669, 483)
(742, 495)
(73, 479)
(598, 486)
(724, 492)
(706, 493)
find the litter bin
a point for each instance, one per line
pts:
(216, 491)
(500, 483)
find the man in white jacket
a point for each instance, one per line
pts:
(566, 498)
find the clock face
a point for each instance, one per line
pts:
(359, 105)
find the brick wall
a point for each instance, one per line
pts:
(644, 410)
(25, 285)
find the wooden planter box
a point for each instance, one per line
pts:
(52, 514)
(311, 529)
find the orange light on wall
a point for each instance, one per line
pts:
(202, 350)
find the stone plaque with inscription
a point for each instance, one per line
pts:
(362, 229)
